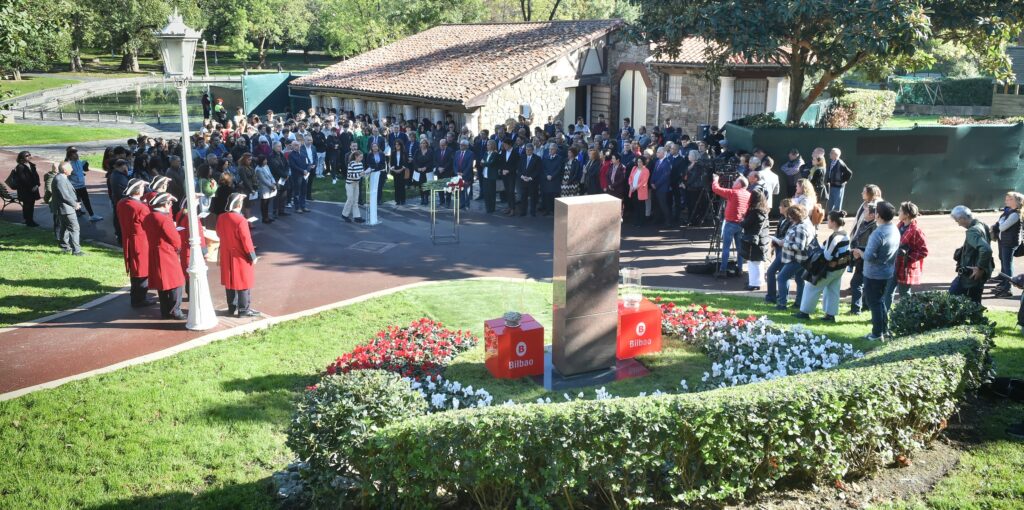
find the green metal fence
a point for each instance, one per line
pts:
(937, 167)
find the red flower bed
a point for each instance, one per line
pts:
(421, 349)
(692, 323)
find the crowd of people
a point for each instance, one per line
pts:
(664, 178)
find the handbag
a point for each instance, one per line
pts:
(1019, 250)
(10, 181)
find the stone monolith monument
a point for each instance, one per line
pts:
(586, 275)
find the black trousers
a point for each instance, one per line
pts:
(676, 203)
(381, 181)
(488, 191)
(638, 209)
(283, 196)
(548, 204)
(238, 300)
(83, 197)
(330, 162)
(117, 224)
(528, 193)
(265, 208)
(510, 190)
(662, 200)
(28, 211)
(696, 204)
(138, 291)
(170, 302)
(309, 186)
(399, 187)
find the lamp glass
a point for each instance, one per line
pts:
(177, 47)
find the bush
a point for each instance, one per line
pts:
(335, 417)
(679, 449)
(866, 108)
(968, 121)
(925, 311)
(419, 350)
(760, 120)
(961, 92)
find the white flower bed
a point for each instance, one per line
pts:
(759, 351)
(444, 395)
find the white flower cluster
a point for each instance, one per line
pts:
(760, 351)
(444, 395)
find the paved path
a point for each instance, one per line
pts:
(315, 259)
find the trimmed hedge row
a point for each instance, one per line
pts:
(712, 446)
(866, 108)
(954, 92)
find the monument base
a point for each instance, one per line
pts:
(554, 381)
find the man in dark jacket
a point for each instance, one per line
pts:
(551, 183)
(508, 165)
(837, 177)
(528, 180)
(444, 166)
(117, 182)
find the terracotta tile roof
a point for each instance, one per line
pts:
(692, 52)
(457, 63)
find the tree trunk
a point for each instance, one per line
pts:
(262, 54)
(796, 86)
(16, 73)
(554, 9)
(76, 61)
(130, 61)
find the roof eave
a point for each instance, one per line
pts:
(381, 95)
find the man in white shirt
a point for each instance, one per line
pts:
(769, 179)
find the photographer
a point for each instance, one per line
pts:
(737, 199)
(974, 261)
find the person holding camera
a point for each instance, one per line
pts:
(974, 263)
(911, 255)
(737, 199)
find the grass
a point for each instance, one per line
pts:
(205, 428)
(31, 84)
(44, 280)
(324, 190)
(908, 121)
(17, 135)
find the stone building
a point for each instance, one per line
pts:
(484, 74)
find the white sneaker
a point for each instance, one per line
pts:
(335, 181)
(95, 217)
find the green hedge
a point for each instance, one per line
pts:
(958, 92)
(705, 447)
(867, 108)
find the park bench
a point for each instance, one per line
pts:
(7, 196)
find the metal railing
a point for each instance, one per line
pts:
(55, 98)
(85, 116)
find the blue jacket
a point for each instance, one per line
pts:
(662, 175)
(464, 165)
(298, 164)
(77, 177)
(880, 253)
(554, 166)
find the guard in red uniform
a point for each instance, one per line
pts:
(181, 218)
(237, 255)
(131, 212)
(165, 273)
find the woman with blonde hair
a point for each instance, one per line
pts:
(805, 194)
(1007, 231)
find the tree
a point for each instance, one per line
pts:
(33, 33)
(820, 40)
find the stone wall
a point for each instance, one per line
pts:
(693, 109)
(626, 52)
(536, 89)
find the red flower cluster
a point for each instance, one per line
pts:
(693, 322)
(457, 185)
(419, 350)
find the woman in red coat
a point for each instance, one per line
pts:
(237, 255)
(910, 257)
(165, 273)
(131, 212)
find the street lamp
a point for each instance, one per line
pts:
(178, 49)
(206, 67)
(215, 49)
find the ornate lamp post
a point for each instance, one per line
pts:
(206, 66)
(178, 49)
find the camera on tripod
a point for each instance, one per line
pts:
(725, 168)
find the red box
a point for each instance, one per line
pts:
(639, 330)
(511, 353)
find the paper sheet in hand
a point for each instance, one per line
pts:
(416, 176)
(179, 229)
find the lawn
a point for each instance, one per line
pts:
(16, 135)
(44, 280)
(205, 428)
(908, 121)
(31, 84)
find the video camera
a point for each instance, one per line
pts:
(724, 167)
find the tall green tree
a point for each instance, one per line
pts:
(33, 34)
(820, 40)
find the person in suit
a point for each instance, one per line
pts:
(661, 179)
(837, 176)
(489, 167)
(26, 183)
(333, 152)
(377, 163)
(554, 168)
(463, 162)
(508, 161)
(131, 212)
(528, 181)
(401, 169)
(165, 274)
(423, 168)
(592, 172)
(675, 183)
(298, 166)
(616, 178)
(237, 256)
(65, 204)
(444, 166)
(312, 158)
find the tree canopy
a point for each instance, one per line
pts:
(820, 40)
